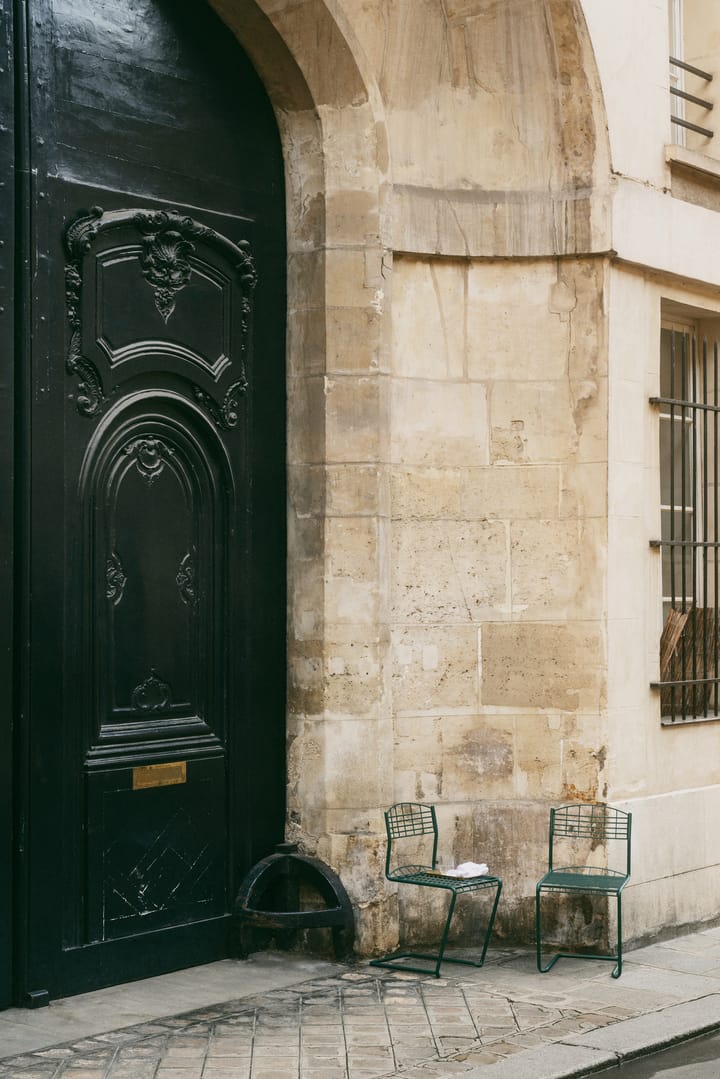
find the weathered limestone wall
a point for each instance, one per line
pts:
(498, 546)
(439, 448)
(447, 424)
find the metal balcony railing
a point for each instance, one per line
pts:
(702, 102)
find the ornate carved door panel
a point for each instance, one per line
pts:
(154, 415)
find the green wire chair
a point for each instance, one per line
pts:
(593, 824)
(412, 819)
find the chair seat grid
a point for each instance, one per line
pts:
(427, 877)
(583, 878)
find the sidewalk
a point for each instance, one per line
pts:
(279, 1016)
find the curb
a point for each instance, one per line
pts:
(597, 1050)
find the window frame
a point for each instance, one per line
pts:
(676, 50)
(690, 640)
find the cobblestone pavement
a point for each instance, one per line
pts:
(366, 1023)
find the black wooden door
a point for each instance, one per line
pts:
(7, 409)
(152, 607)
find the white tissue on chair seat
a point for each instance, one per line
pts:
(468, 869)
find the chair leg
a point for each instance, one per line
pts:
(618, 969)
(538, 938)
(394, 961)
(488, 934)
(491, 923)
(617, 958)
(446, 930)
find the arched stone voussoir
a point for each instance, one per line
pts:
(497, 129)
(331, 119)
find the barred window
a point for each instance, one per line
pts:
(689, 426)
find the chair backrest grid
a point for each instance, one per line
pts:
(410, 818)
(591, 821)
(407, 819)
(594, 820)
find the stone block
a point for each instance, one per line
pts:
(306, 684)
(439, 424)
(357, 753)
(353, 675)
(518, 316)
(307, 600)
(360, 856)
(429, 493)
(414, 785)
(449, 571)
(540, 422)
(352, 548)
(355, 163)
(352, 213)
(355, 417)
(306, 271)
(354, 343)
(467, 494)
(476, 755)
(428, 319)
(306, 342)
(357, 489)
(311, 32)
(306, 420)
(306, 489)
(306, 539)
(352, 602)
(417, 760)
(558, 569)
(587, 280)
(345, 280)
(513, 493)
(583, 489)
(561, 666)
(434, 669)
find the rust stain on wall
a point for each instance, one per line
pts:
(571, 793)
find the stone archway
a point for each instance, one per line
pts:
(339, 732)
(350, 100)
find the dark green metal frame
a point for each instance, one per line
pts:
(406, 819)
(598, 823)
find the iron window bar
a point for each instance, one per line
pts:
(683, 543)
(697, 406)
(684, 682)
(702, 102)
(692, 69)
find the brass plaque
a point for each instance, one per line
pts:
(159, 775)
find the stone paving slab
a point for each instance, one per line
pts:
(23, 1029)
(504, 1021)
